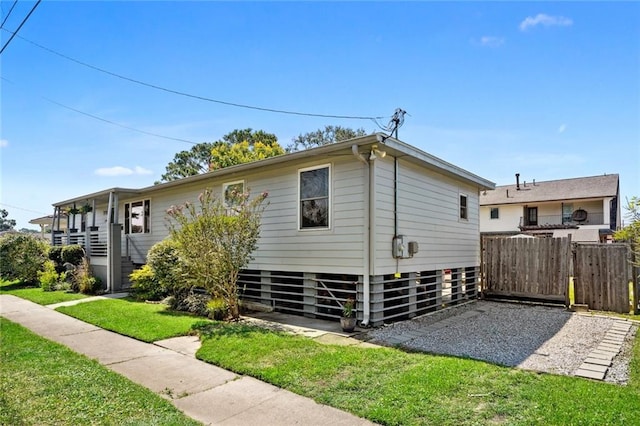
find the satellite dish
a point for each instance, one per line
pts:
(579, 215)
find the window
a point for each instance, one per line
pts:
(136, 217)
(231, 192)
(495, 213)
(314, 198)
(532, 216)
(464, 213)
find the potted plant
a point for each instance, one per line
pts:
(71, 213)
(348, 319)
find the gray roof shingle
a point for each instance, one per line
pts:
(553, 190)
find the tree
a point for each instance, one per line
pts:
(6, 224)
(216, 243)
(22, 256)
(189, 163)
(236, 147)
(631, 232)
(328, 135)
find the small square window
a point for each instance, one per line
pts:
(232, 193)
(464, 213)
(495, 213)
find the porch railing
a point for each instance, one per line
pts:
(97, 241)
(559, 220)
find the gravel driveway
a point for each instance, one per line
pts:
(533, 337)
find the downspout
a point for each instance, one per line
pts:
(396, 174)
(366, 267)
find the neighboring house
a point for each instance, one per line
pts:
(46, 223)
(588, 208)
(372, 218)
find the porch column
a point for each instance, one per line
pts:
(93, 213)
(606, 211)
(114, 257)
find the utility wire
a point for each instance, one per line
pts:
(20, 208)
(189, 95)
(19, 26)
(8, 13)
(109, 121)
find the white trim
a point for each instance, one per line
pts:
(329, 201)
(466, 197)
(146, 224)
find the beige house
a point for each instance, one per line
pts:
(588, 208)
(372, 218)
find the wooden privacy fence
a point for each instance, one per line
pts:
(539, 268)
(527, 267)
(602, 273)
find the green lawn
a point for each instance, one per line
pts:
(36, 294)
(392, 387)
(42, 382)
(148, 322)
(387, 386)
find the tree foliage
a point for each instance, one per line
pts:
(320, 137)
(189, 163)
(22, 256)
(237, 147)
(631, 232)
(216, 242)
(6, 224)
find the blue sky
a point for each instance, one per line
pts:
(549, 90)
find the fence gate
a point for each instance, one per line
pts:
(602, 274)
(536, 268)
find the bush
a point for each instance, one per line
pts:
(194, 303)
(49, 277)
(72, 254)
(22, 256)
(144, 285)
(217, 309)
(166, 266)
(84, 281)
(55, 254)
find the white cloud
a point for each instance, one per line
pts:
(142, 171)
(545, 20)
(562, 128)
(4, 143)
(490, 41)
(122, 171)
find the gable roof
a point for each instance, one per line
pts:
(553, 190)
(392, 146)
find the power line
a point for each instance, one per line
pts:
(19, 26)
(109, 121)
(21, 208)
(189, 95)
(8, 13)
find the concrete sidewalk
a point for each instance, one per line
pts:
(202, 391)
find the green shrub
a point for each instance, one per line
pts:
(194, 303)
(84, 280)
(144, 285)
(164, 260)
(72, 254)
(22, 256)
(50, 279)
(55, 254)
(217, 309)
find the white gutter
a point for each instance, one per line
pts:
(366, 267)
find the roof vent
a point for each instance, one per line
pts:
(518, 181)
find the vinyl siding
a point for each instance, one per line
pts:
(428, 212)
(281, 246)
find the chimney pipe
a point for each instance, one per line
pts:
(518, 181)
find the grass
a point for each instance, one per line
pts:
(42, 382)
(392, 387)
(148, 322)
(36, 294)
(386, 385)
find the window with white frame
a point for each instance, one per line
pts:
(136, 217)
(314, 197)
(495, 213)
(464, 211)
(232, 193)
